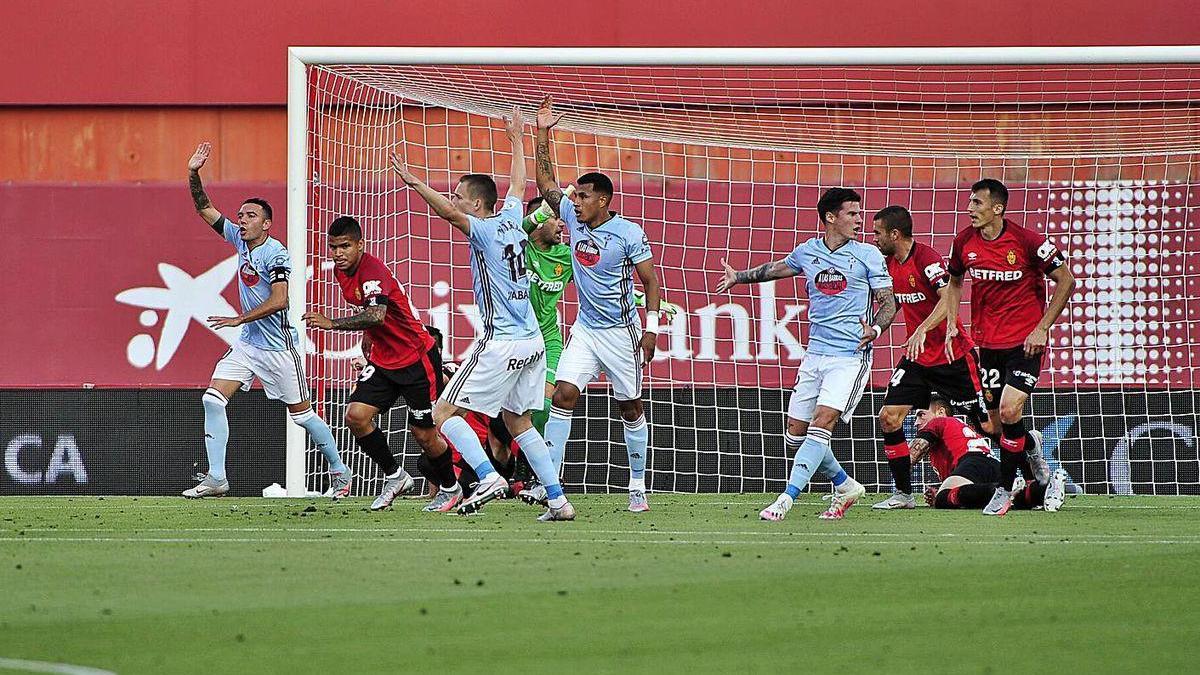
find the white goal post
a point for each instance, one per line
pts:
(711, 147)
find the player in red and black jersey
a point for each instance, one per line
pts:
(403, 360)
(969, 473)
(919, 281)
(1009, 317)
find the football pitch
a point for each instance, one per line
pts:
(162, 585)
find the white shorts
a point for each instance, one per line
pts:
(281, 373)
(836, 382)
(501, 374)
(616, 352)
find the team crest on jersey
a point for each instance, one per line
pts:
(248, 274)
(912, 281)
(1011, 257)
(587, 253)
(830, 281)
(558, 269)
(358, 294)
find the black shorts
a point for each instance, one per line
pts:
(999, 367)
(977, 468)
(419, 384)
(912, 385)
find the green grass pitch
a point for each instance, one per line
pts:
(699, 584)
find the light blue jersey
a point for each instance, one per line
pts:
(498, 275)
(839, 292)
(603, 259)
(257, 270)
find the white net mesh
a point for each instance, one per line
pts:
(728, 163)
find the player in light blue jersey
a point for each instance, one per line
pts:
(267, 348)
(845, 279)
(505, 374)
(607, 337)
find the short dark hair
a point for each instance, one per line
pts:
(438, 340)
(482, 187)
(267, 212)
(832, 200)
(896, 217)
(345, 226)
(599, 182)
(532, 204)
(936, 399)
(995, 190)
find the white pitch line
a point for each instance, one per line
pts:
(646, 532)
(188, 505)
(50, 667)
(795, 541)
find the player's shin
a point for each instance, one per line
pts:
(534, 448)
(1012, 454)
(808, 459)
(216, 432)
(637, 438)
(460, 434)
(375, 446)
(321, 435)
(558, 430)
(895, 446)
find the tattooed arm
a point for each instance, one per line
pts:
(200, 198)
(547, 185)
(886, 299)
(765, 272)
(918, 448)
(371, 316)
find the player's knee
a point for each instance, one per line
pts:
(358, 421)
(891, 420)
(1011, 412)
(796, 427)
(565, 396)
(442, 411)
(825, 418)
(631, 411)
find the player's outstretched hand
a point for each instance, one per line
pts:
(649, 343)
(728, 280)
(869, 335)
(514, 124)
(200, 156)
(216, 322)
(317, 320)
(1036, 342)
(546, 117)
(916, 343)
(401, 169)
(931, 495)
(951, 333)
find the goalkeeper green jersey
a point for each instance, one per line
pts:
(549, 274)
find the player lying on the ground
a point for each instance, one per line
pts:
(970, 475)
(402, 361)
(844, 277)
(607, 336)
(919, 282)
(1009, 318)
(506, 373)
(267, 346)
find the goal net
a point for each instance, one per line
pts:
(724, 162)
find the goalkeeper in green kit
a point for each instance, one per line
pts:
(548, 262)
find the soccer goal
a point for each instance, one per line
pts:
(721, 154)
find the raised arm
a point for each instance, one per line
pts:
(515, 126)
(765, 272)
(547, 184)
(200, 198)
(437, 201)
(1064, 285)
